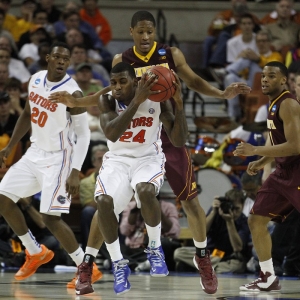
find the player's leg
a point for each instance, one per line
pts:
(182, 180)
(147, 181)
(20, 182)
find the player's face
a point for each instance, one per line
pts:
(122, 87)
(58, 62)
(143, 35)
(272, 81)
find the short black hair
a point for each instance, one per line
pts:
(246, 16)
(283, 69)
(123, 67)
(142, 15)
(59, 44)
(256, 179)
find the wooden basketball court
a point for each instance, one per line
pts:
(44, 286)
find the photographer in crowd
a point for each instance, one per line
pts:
(227, 236)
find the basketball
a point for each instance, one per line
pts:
(164, 83)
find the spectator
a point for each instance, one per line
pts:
(41, 63)
(25, 20)
(8, 121)
(16, 68)
(7, 34)
(71, 20)
(132, 226)
(29, 52)
(10, 20)
(252, 62)
(3, 75)
(219, 22)
(92, 14)
(236, 44)
(79, 55)
(5, 43)
(39, 18)
(284, 30)
(227, 235)
(13, 87)
(52, 11)
(84, 78)
(272, 17)
(86, 192)
(293, 54)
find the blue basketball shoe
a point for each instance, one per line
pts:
(156, 258)
(121, 273)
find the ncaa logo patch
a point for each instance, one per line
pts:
(37, 81)
(61, 199)
(162, 51)
(151, 111)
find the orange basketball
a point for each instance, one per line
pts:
(164, 83)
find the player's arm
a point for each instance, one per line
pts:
(196, 83)
(71, 101)
(175, 123)
(83, 134)
(114, 125)
(289, 113)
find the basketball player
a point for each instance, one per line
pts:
(279, 194)
(145, 53)
(133, 166)
(51, 164)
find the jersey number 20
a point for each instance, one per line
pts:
(38, 117)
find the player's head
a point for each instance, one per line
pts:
(274, 78)
(143, 31)
(58, 61)
(123, 82)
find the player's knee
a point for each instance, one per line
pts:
(104, 203)
(50, 221)
(145, 191)
(257, 222)
(7, 205)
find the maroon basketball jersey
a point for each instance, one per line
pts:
(276, 130)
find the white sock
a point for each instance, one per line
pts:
(77, 256)
(200, 245)
(154, 234)
(29, 242)
(91, 251)
(114, 250)
(267, 266)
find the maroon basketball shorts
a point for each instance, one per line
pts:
(279, 194)
(179, 172)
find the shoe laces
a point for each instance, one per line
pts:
(155, 256)
(119, 269)
(84, 272)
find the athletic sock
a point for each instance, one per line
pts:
(77, 256)
(30, 243)
(114, 250)
(154, 234)
(267, 266)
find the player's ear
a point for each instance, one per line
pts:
(131, 30)
(135, 81)
(47, 57)
(283, 80)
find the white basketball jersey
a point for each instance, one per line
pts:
(50, 122)
(142, 137)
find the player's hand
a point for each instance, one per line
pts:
(235, 89)
(177, 96)
(244, 149)
(254, 167)
(72, 184)
(143, 90)
(3, 156)
(62, 97)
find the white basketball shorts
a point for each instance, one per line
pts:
(43, 171)
(119, 176)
